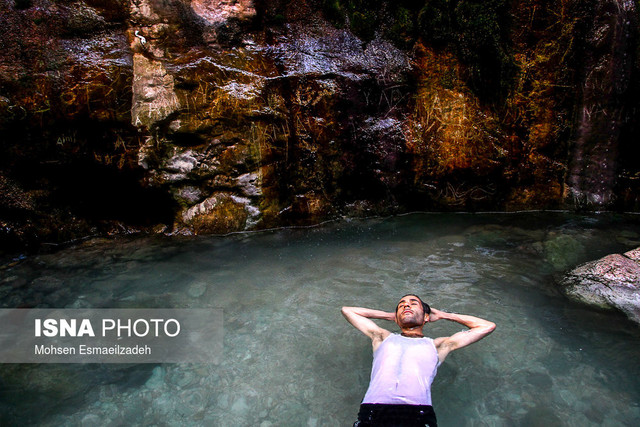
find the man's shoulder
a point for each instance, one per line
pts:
(439, 341)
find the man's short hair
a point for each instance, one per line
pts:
(425, 306)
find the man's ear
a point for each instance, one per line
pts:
(426, 318)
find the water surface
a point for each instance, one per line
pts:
(290, 359)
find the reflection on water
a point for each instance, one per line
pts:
(290, 359)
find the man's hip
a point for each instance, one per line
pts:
(384, 415)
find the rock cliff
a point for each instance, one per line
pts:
(212, 116)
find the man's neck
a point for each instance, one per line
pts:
(414, 332)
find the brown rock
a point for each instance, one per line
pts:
(219, 214)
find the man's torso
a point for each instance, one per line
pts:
(402, 372)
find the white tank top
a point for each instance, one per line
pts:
(402, 372)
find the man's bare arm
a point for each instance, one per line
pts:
(478, 329)
(360, 318)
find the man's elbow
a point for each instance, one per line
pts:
(490, 327)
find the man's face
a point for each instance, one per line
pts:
(410, 312)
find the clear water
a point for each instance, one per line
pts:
(290, 359)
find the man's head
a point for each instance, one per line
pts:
(411, 311)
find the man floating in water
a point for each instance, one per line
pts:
(405, 364)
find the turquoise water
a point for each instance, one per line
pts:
(290, 359)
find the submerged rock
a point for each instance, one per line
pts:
(562, 250)
(612, 282)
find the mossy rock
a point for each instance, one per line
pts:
(563, 251)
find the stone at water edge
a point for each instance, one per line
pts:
(612, 282)
(633, 255)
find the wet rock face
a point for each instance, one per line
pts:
(211, 116)
(270, 133)
(612, 282)
(595, 149)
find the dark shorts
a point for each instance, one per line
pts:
(379, 415)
